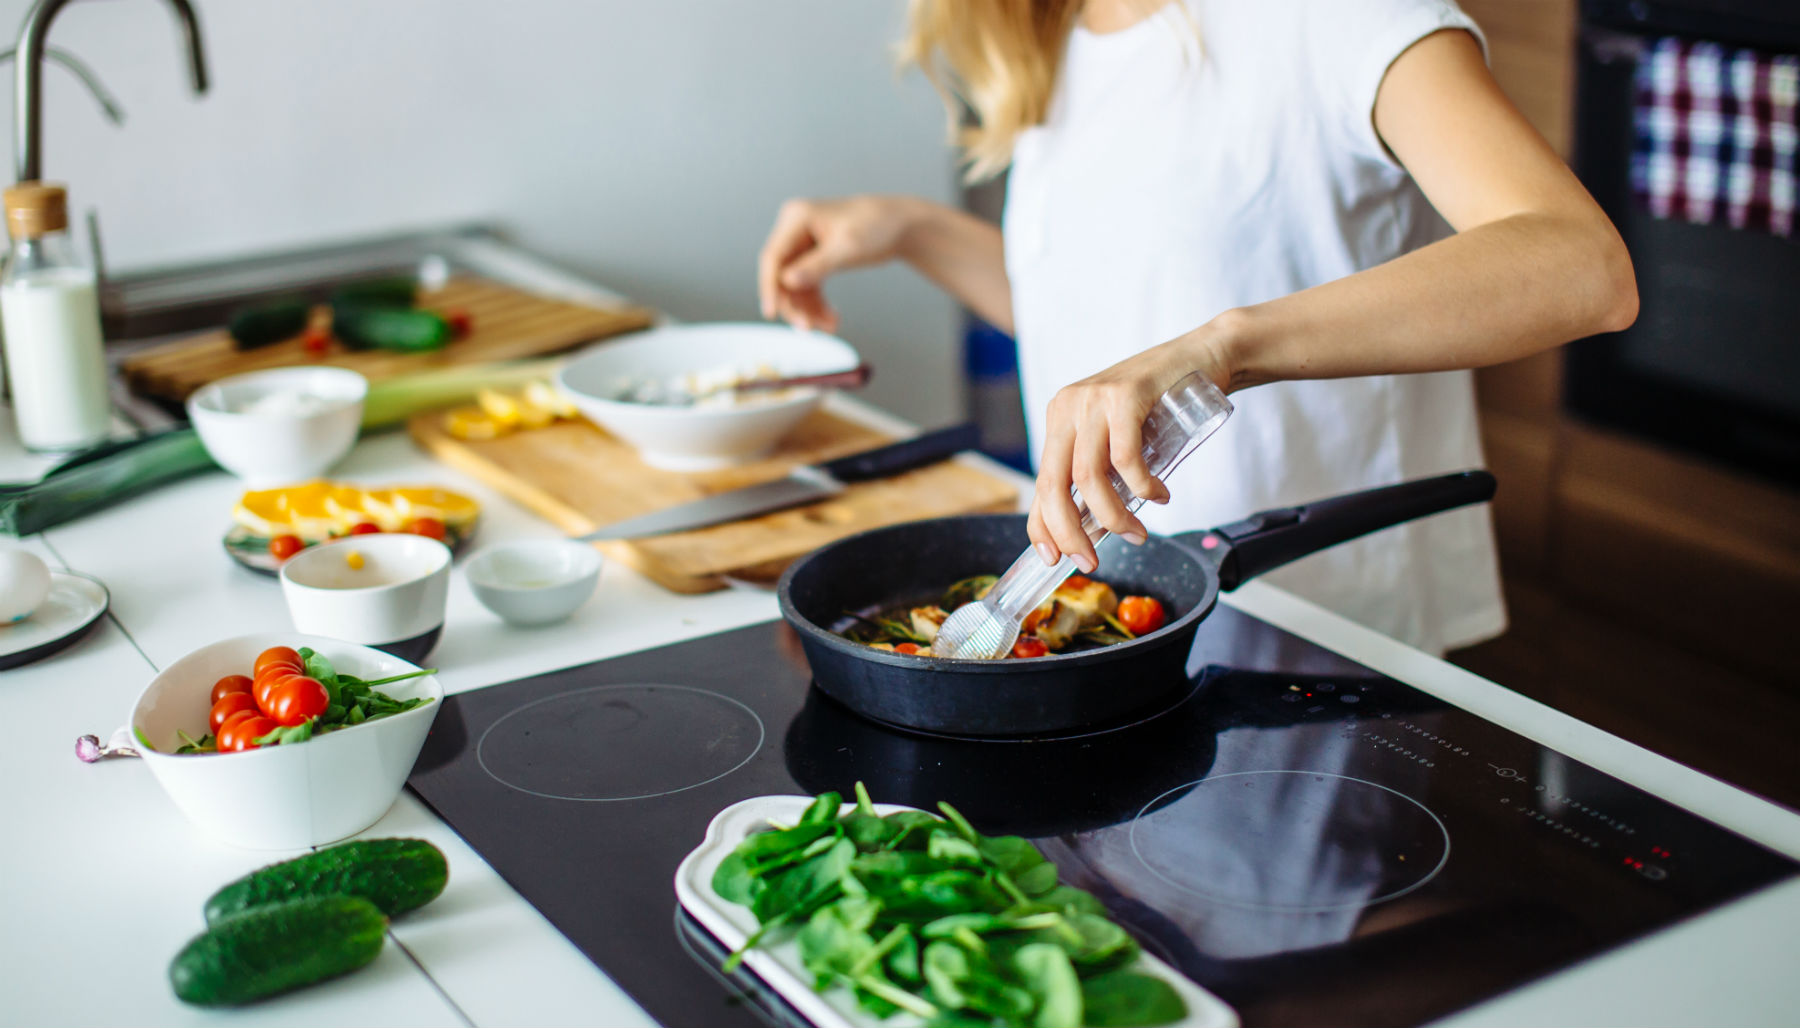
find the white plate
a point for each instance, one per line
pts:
(76, 602)
(779, 964)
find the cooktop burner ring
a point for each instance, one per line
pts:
(1064, 735)
(1411, 882)
(601, 751)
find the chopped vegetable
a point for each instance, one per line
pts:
(924, 915)
(354, 560)
(1081, 613)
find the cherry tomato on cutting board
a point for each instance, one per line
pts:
(241, 733)
(1141, 614)
(297, 700)
(230, 684)
(226, 706)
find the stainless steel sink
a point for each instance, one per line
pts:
(145, 305)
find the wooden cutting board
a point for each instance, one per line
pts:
(580, 478)
(506, 323)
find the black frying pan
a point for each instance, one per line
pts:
(913, 563)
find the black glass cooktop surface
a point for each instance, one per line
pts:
(1310, 840)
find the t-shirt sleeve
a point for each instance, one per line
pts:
(1350, 45)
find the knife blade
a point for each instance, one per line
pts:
(808, 483)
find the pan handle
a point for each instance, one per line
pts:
(1268, 539)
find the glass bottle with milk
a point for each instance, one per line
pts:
(50, 313)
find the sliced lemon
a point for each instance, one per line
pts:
(533, 416)
(543, 394)
(499, 406)
(262, 512)
(433, 502)
(349, 507)
(472, 423)
(307, 510)
(386, 508)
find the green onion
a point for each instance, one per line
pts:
(395, 400)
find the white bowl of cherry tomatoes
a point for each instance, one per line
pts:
(280, 741)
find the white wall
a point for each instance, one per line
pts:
(646, 144)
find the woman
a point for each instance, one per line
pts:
(1329, 199)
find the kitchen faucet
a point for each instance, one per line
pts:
(28, 121)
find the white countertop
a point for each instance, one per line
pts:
(101, 880)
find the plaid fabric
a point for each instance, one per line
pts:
(1716, 135)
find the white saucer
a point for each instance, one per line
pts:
(75, 604)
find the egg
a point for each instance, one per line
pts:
(24, 582)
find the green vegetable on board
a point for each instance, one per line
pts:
(266, 323)
(916, 913)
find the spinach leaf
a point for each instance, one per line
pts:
(734, 881)
(765, 846)
(911, 829)
(952, 849)
(1047, 973)
(1126, 999)
(1036, 881)
(903, 961)
(1102, 942)
(823, 810)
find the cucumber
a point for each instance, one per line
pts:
(396, 875)
(273, 949)
(378, 292)
(389, 328)
(269, 323)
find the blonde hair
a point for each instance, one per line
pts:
(994, 59)
(995, 64)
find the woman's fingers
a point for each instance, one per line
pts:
(1125, 437)
(1053, 514)
(789, 237)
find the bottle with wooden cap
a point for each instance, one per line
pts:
(50, 313)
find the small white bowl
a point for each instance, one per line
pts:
(291, 796)
(534, 581)
(394, 601)
(698, 438)
(270, 448)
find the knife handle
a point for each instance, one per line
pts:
(904, 455)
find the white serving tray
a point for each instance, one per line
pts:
(779, 964)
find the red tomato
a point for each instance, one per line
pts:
(365, 528)
(241, 733)
(276, 655)
(908, 648)
(430, 527)
(230, 684)
(1077, 582)
(1029, 646)
(265, 688)
(1037, 617)
(316, 341)
(1141, 614)
(459, 321)
(297, 699)
(284, 546)
(227, 705)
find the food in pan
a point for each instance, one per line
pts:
(922, 914)
(1083, 614)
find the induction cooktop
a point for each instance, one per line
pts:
(1308, 839)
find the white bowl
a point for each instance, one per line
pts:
(270, 448)
(698, 438)
(534, 581)
(394, 601)
(295, 795)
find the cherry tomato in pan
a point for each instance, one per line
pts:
(429, 527)
(1029, 646)
(1141, 614)
(227, 705)
(284, 546)
(909, 648)
(295, 700)
(366, 528)
(230, 684)
(276, 655)
(241, 733)
(1076, 583)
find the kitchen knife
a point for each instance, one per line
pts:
(808, 483)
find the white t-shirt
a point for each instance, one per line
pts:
(1222, 153)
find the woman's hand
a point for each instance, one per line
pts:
(1096, 426)
(812, 239)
